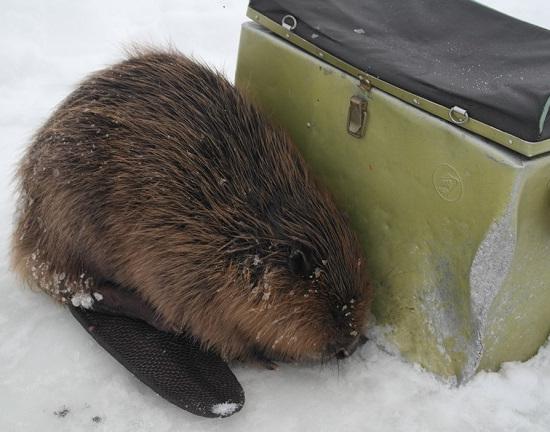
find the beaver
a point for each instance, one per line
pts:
(159, 190)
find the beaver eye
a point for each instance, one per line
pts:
(300, 263)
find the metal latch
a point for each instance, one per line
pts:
(357, 116)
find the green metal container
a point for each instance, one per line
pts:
(455, 225)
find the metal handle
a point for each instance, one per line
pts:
(289, 22)
(458, 115)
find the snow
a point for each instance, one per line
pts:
(83, 300)
(225, 409)
(54, 377)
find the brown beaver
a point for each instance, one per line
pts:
(159, 189)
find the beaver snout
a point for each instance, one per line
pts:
(346, 348)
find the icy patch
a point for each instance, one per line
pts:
(98, 296)
(359, 31)
(438, 302)
(488, 272)
(491, 265)
(225, 409)
(83, 300)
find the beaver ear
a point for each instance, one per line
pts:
(299, 262)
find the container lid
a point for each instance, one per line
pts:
(454, 58)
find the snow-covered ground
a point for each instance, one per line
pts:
(53, 377)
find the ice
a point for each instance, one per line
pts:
(54, 377)
(488, 272)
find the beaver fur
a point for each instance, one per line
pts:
(159, 177)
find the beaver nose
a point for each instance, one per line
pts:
(349, 348)
(343, 353)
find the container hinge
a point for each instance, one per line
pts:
(357, 116)
(364, 83)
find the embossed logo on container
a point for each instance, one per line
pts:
(448, 183)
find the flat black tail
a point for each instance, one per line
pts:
(174, 366)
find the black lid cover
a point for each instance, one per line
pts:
(452, 52)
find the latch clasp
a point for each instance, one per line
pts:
(357, 116)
